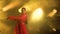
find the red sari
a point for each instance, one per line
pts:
(21, 27)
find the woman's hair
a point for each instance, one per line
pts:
(23, 9)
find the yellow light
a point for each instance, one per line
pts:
(37, 14)
(54, 29)
(51, 14)
(19, 10)
(10, 6)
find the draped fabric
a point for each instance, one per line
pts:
(20, 27)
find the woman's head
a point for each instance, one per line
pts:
(23, 10)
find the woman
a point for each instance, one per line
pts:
(20, 27)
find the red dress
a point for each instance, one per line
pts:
(21, 27)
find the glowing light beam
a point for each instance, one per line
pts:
(51, 14)
(37, 14)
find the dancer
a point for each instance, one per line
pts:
(20, 28)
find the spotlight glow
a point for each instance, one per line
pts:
(51, 14)
(10, 6)
(19, 10)
(54, 29)
(37, 14)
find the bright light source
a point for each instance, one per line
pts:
(37, 14)
(51, 14)
(54, 29)
(19, 10)
(10, 6)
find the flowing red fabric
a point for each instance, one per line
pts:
(20, 27)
